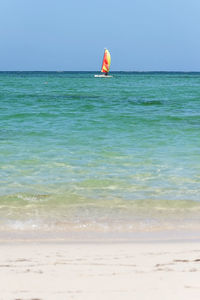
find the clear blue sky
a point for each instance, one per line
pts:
(71, 34)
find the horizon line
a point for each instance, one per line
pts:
(86, 71)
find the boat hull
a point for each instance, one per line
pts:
(103, 76)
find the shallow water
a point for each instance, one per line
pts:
(80, 152)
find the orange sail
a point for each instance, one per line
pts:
(106, 62)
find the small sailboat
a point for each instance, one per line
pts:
(105, 65)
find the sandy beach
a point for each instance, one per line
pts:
(63, 269)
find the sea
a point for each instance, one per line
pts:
(119, 154)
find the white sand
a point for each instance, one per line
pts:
(106, 271)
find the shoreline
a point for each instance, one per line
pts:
(92, 237)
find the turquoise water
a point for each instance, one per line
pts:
(84, 152)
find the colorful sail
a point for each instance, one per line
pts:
(106, 62)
